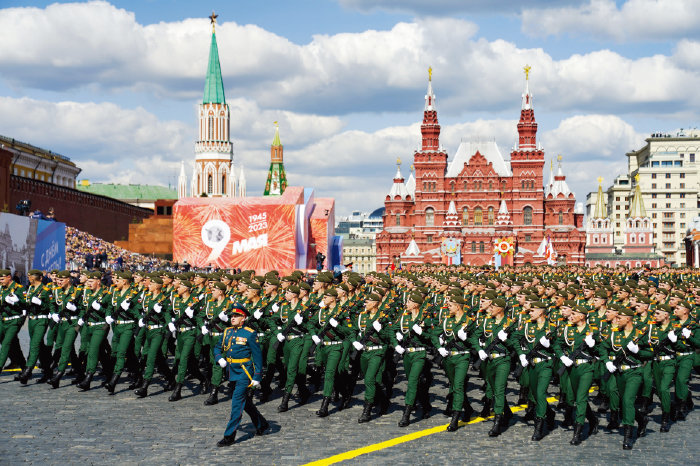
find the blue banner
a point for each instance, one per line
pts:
(50, 251)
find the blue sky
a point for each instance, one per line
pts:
(115, 85)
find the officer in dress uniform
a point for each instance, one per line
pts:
(238, 349)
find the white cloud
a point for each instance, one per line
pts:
(447, 7)
(634, 20)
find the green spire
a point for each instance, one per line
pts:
(276, 141)
(214, 87)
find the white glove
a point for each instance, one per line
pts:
(416, 328)
(672, 336)
(157, 307)
(205, 330)
(316, 339)
(109, 320)
(399, 349)
(686, 333)
(222, 362)
(483, 355)
(125, 305)
(80, 322)
(71, 307)
(544, 341)
(171, 327)
(503, 336)
(255, 384)
(257, 314)
(275, 307)
(55, 317)
(96, 306)
(399, 336)
(443, 352)
(223, 317)
(9, 300)
(632, 346)
(36, 300)
(322, 305)
(461, 334)
(280, 337)
(441, 340)
(523, 360)
(358, 346)
(298, 319)
(377, 326)
(24, 312)
(589, 341)
(610, 366)
(567, 361)
(141, 324)
(189, 312)
(333, 322)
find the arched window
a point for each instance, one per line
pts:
(478, 216)
(223, 184)
(633, 238)
(527, 213)
(491, 217)
(481, 246)
(476, 186)
(210, 184)
(211, 128)
(452, 186)
(490, 185)
(429, 217)
(473, 246)
(398, 220)
(465, 216)
(561, 218)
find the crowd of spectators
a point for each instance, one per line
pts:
(85, 251)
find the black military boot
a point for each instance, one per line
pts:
(486, 411)
(576, 439)
(142, 391)
(406, 418)
(550, 418)
(323, 410)
(467, 411)
(614, 420)
(227, 441)
(46, 376)
(284, 405)
(57, 379)
(85, 384)
(213, 397)
(454, 422)
(592, 421)
(496, 429)
(381, 400)
(604, 404)
(264, 425)
(265, 389)
(24, 376)
(522, 396)
(138, 380)
(529, 413)
(304, 393)
(366, 415)
(177, 393)
(682, 410)
(448, 407)
(642, 421)
(665, 422)
(170, 384)
(539, 429)
(645, 405)
(628, 441)
(112, 384)
(507, 415)
(568, 416)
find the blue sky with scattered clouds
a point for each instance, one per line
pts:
(115, 86)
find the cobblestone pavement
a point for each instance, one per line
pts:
(41, 425)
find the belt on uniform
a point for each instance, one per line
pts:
(120, 322)
(684, 354)
(5, 319)
(292, 337)
(92, 324)
(153, 327)
(578, 362)
(626, 367)
(38, 317)
(539, 360)
(372, 348)
(237, 361)
(413, 350)
(665, 358)
(329, 343)
(215, 334)
(261, 334)
(184, 329)
(497, 355)
(455, 353)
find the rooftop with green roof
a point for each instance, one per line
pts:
(214, 86)
(127, 192)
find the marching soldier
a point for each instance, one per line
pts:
(12, 310)
(39, 306)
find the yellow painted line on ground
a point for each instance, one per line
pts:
(409, 437)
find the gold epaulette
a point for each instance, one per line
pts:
(249, 329)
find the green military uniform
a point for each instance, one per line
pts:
(95, 306)
(39, 306)
(185, 320)
(12, 312)
(157, 310)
